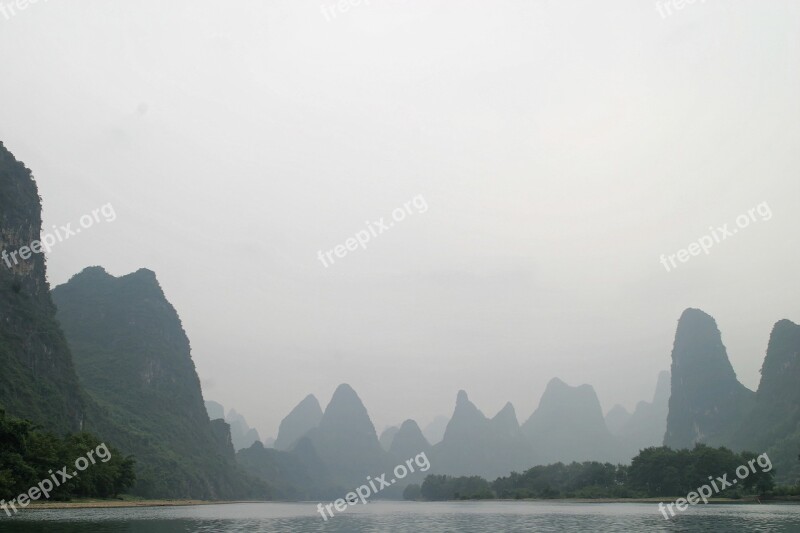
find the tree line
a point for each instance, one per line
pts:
(29, 455)
(654, 472)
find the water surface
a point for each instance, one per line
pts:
(410, 517)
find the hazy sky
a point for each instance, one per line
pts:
(560, 148)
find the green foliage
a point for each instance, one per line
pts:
(28, 456)
(412, 492)
(655, 472)
(441, 488)
(559, 480)
(666, 472)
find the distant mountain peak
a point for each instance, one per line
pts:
(95, 270)
(344, 402)
(345, 438)
(568, 425)
(310, 399)
(145, 273)
(462, 397)
(408, 441)
(780, 371)
(302, 419)
(507, 416)
(556, 382)
(706, 399)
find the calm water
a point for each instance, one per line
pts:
(409, 517)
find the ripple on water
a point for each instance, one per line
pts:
(408, 517)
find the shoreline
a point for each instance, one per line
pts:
(110, 504)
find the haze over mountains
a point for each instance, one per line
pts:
(569, 424)
(242, 435)
(646, 425)
(109, 355)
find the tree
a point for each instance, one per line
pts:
(412, 492)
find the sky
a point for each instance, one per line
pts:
(514, 169)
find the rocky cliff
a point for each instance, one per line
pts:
(37, 380)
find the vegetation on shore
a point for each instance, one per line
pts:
(653, 473)
(29, 455)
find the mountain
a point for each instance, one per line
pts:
(707, 403)
(133, 358)
(475, 445)
(568, 426)
(616, 419)
(462, 450)
(221, 432)
(648, 423)
(295, 475)
(773, 426)
(38, 380)
(505, 422)
(387, 436)
(434, 431)
(346, 441)
(215, 410)
(242, 435)
(300, 420)
(408, 442)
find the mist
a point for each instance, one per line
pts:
(559, 149)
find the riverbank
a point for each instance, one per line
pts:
(99, 504)
(665, 499)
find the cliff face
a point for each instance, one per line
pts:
(707, 403)
(780, 374)
(37, 380)
(774, 424)
(134, 360)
